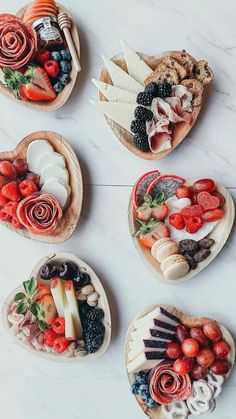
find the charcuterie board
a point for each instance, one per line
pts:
(58, 152)
(197, 337)
(62, 94)
(172, 83)
(93, 308)
(167, 250)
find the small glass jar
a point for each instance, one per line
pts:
(48, 33)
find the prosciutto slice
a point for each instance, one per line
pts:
(166, 386)
(18, 42)
(39, 213)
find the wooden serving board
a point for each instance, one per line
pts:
(71, 214)
(62, 97)
(180, 130)
(220, 234)
(188, 322)
(102, 303)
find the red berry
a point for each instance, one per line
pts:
(212, 331)
(61, 344)
(52, 68)
(177, 221)
(221, 349)
(3, 181)
(7, 169)
(220, 367)
(16, 223)
(27, 187)
(190, 347)
(20, 165)
(182, 332)
(4, 216)
(193, 224)
(194, 199)
(49, 337)
(192, 211)
(183, 365)
(213, 215)
(11, 208)
(43, 55)
(11, 191)
(206, 185)
(58, 325)
(207, 201)
(183, 192)
(198, 372)
(221, 198)
(198, 334)
(33, 177)
(173, 350)
(3, 200)
(205, 357)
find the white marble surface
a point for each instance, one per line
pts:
(34, 388)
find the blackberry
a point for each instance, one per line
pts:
(164, 89)
(96, 315)
(138, 126)
(144, 98)
(152, 88)
(143, 113)
(94, 337)
(141, 142)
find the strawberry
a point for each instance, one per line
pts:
(183, 192)
(49, 337)
(52, 68)
(42, 290)
(11, 208)
(60, 344)
(177, 220)
(193, 224)
(160, 212)
(3, 200)
(148, 233)
(27, 187)
(153, 207)
(38, 87)
(48, 307)
(58, 325)
(11, 191)
(43, 55)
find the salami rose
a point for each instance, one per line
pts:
(39, 213)
(166, 386)
(18, 42)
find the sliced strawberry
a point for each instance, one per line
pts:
(153, 207)
(48, 307)
(144, 214)
(148, 233)
(160, 212)
(39, 88)
(207, 201)
(42, 290)
(213, 215)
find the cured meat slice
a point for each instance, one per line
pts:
(166, 386)
(39, 213)
(18, 42)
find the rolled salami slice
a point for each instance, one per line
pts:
(18, 42)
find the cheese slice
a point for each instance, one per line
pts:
(121, 113)
(57, 290)
(55, 171)
(160, 314)
(70, 332)
(120, 78)
(134, 353)
(152, 333)
(58, 189)
(36, 150)
(145, 361)
(115, 94)
(51, 159)
(147, 344)
(137, 67)
(73, 307)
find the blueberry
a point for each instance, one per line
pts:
(142, 377)
(134, 388)
(58, 87)
(64, 79)
(144, 391)
(151, 403)
(65, 53)
(65, 66)
(56, 55)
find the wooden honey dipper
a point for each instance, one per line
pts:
(65, 25)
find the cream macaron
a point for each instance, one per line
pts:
(175, 267)
(163, 248)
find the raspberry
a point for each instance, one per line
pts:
(43, 55)
(52, 68)
(60, 344)
(58, 325)
(193, 224)
(16, 223)
(11, 191)
(4, 216)
(7, 169)
(49, 337)
(3, 200)
(27, 187)
(10, 208)
(177, 220)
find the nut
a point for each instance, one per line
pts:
(93, 297)
(206, 243)
(80, 296)
(88, 289)
(188, 246)
(92, 303)
(201, 255)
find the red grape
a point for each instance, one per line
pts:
(198, 372)
(221, 349)
(190, 347)
(173, 350)
(212, 331)
(220, 367)
(206, 185)
(205, 357)
(183, 365)
(33, 177)
(213, 215)
(20, 165)
(198, 334)
(182, 332)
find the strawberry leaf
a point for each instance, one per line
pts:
(19, 297)
(22, 307)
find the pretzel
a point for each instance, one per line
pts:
(202, 399)
(175, 410)
(216, 382)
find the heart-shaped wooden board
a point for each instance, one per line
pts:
(180, 130)
(71, 214)
(59, 257)
(188, 322)
(62, 97)
(219, 234)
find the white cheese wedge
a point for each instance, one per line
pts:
(160, 314)
(142, 345)
(74, 309)
(57, 189)
(135, 352)
(141, 363)
(150, 325)
(137, 67)
(51, 159)
(35, 152)
(151, 333)
(70, 332)
(57, 172)
(115, 94)
(120, 78)
(121, 113)
(57, 290)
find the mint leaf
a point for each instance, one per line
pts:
(20, 296)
